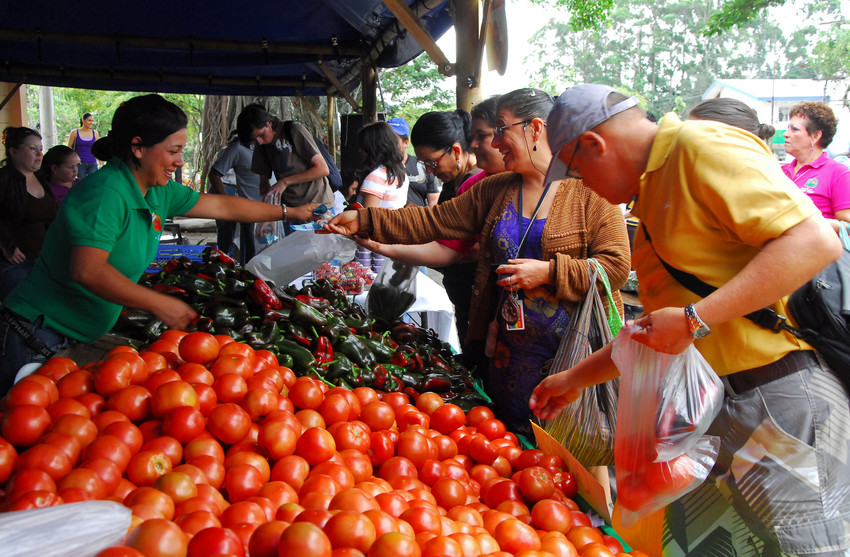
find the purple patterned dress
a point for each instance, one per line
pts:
(520, 355)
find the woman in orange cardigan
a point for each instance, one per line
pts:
(564, 224)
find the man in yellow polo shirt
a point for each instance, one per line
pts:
(714, 204)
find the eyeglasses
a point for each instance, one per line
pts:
(433, 164)
(499, 130)
(34, 149)
(573, 172)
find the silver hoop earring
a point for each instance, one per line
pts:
(458, 165)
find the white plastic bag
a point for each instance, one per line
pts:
(667, 402)
(298, 254)
(71, 530)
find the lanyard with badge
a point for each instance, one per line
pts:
(512, 310)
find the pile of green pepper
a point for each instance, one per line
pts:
(315, 330)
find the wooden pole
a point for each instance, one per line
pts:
(368, 84)
(466, 20)
(332, 140)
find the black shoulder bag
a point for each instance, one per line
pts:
(821, 308)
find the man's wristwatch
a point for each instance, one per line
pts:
(284, 212)
(696, 325)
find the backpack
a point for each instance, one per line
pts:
(334, 177)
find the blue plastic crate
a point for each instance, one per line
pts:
(166, 252)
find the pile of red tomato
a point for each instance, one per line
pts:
(218, 450)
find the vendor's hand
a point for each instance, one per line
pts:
(275, 192)
(264, 228)
(175, 313)
(16, 257)
(553, 394)
(346, 223)
(664, 330)
(302, 212)
(523, 273)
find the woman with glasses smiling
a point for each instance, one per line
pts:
(540, 237)
(27, 206)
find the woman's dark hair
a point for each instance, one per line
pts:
(526, 104)
(151, 118)
(441, 130)
(54, 156)
(14, 137)
(86, 115)
(729, 111)
(379, 143)
(486, 110)
(821, 118)
(253, 117)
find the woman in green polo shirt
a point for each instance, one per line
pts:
(107, 233)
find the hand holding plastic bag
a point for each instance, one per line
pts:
(663, 454)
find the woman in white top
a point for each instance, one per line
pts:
(385, 183)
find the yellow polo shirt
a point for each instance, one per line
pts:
(711, 196)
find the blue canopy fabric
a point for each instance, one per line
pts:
(216, 47)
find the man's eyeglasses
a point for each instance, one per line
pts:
(434, 164)
(573, 172)
(499, 130)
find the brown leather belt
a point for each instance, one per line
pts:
(792, 362)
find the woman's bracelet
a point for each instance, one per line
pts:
(284, 211)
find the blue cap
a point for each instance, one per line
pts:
(399, 126)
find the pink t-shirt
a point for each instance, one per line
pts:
(825, 181)
(391, 194)
(465, 245)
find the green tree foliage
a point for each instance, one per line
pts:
(659, 51)
(411, 90)
(832, 57)
(69, 105)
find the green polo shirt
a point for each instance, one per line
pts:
(105, 211)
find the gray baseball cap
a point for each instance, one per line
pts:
(577, 110)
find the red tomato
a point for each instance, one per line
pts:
(378, 415)
(171, 395)
(416, 447)
(198, 347)
(57, 367)
(315, 445)
(146, 466)
(86, 480)
(242, 481)
(79, 426)
(229, 423)
(481, 450)
(34, 500)
(266, 538)
(23, 425)
(158, 537)
(154, 498)
(215, 541)
(358, 463)
(44, 457)
(195, 521)
(381, 447)
(177, 485)
(304, 539)
(28, 392)
(259, 402)
(447, 418)
(110, 448)
(107, 470)
(138, 366)
(306, 393)
(168, 445)
(429, 402)
(529, 457)
(277, 439)
(111, 376)
(232, 363)
(8, 456)
(551, 515)
(207, 398)
(580, 536)
(230, 387)
(536, 483)
(350, 529)
(449, 493)
(395, 544)
(161, 377)
(133, 401)
(75, 383)
(68, 406)
(195, 373)
(184, 423)
(671, 477)
(291, 469)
